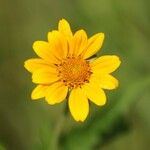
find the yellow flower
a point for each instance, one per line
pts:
(65, 67)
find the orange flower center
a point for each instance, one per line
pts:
(74, 72)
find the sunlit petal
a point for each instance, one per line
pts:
(94, 45)
(56, 93)
(78, 104)
(96, 95)
(105, 64)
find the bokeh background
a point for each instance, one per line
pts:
(123, 123)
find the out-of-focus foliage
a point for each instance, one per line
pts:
(123, 123)
(2, 147)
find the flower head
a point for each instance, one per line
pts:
(65, 67)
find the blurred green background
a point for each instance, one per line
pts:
(123, 123)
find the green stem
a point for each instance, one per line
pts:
(57, 131)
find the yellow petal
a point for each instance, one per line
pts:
(58, 44)
(39, 92)
(78, 43)
(96, 95)
(35, 63)
(45, 76)
(44, 51)
(94, 44)
(78, 104)
(106, 81)
(105, 64)
(57, 92)
(65, 29)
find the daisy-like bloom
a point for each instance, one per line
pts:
(65, 68)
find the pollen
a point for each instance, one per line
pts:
(74, 72)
